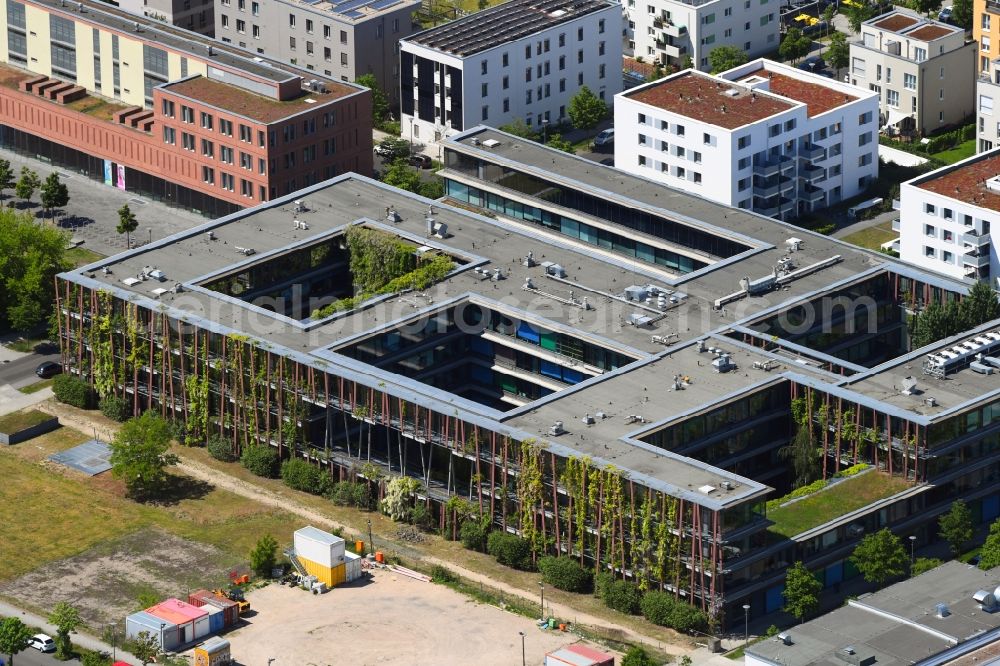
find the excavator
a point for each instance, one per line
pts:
(234, 594)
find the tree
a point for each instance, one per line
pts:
(93, 658)
(794, 45)
(26, 184)
(145, 647)
(380, 104)
(802, 591)
(586, 109)
(636, 656)
(66, 618)
(979, 306)
(804, 455)
(722, 58)
(880, 556)
(402, 175)
(519, 128)
(961, 13)
(54, 193)
(838, 53)
(989, 555)
(264, 556)
(924, 564)
(827, 17)
(926, 6)
(14, 637)
(556, 141)
(126, 224)
(140, 454)
(857, 13)
(6, 176)
(955, 527)
(30, 257)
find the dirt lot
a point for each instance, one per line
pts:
(391, 620)
(105, 582)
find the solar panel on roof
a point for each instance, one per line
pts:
(382, 4)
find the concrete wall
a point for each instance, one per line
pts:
(8, 438)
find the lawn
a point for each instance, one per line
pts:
(80, 256)
(25, 345)
(17, 421)
(958, 153)
(873, 237)
(50, 513)
(37, 386)
(825, 505)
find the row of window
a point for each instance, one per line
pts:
(674, 170)
(676, 150)
(228, 156)
(544, 46)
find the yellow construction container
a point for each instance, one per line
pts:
(213, 652)
(332, 576)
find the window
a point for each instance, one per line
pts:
(930, 209)
(984, 43)
(527, 96)
(225, 127)
(227, 181)
(395, 25)
(600, 48)
(208, 175)
(864, 138)
(505, 82)
(947, 257)
(309, 48)
(642, 160)
(187, 141)
(309, 26)
(168, 108)
(255, 8)
(888, 74)
(681, 173)
(485, 89)
(225, 22)
(226, 154)
(986, 105)
(207, 148)
(743, 142)
(642, 139)
(743, 184)
(246, 188)
(256, 31)
(327, 54)
(679, 130)
(579, 56)
(949, 214)
(562, 39)
(919, 54)
(291, 20)
(910, 81)
(600, 71)
(929, 251)
(246, 161)
(505, 60)
(486, 112)
(706, 139)
(169, 135)
(600, 27)
(343, 59)
(527, 74)
(858, 66)
(579, 34)
(206, 120)
(947, 236)
(187, 114)
(696, 157)
(744, 163)
(696, 176)
(506, 105)
(864, 160)
(865, 118)
(929, 230)
(291, 43)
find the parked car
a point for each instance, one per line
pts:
(42, 643)
(392, 148)
(945, 15)
(605, 137)
(420, 161)
(48, 369)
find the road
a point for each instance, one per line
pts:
(32, 658)
(21, 371)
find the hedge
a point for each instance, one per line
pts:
(474, 533)
(565, 573)
(509, 549)
(220, 448)
(350, 493)
(115, 408)
(623, 597)
(261, 460)
(73, 391)
(299, 474)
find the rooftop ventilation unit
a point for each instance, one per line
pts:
(635, 293)
(299, 224)
(158, 275)
(556, 429)
(723, 363)
(554, 269)
(491, 143)
(981, 368)
(529, 260)
(986, 600)
(794, 244)
(785, 638)
(588, 419)
(246, 251)
(702, 347)
(930, 401)
(707, 489)
(909, 386)
(210, 235)
(300, 206)
(392, 216)
(639, 320)
(941, 610)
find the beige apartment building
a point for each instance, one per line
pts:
(923, 70)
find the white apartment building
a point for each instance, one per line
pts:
(924, 71)
(520, 59)
(763, 136)
(946, 216)
(671, 31)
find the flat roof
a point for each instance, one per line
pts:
(251, 105)
(817, 97)
(504, 23)
(355, 10)
(929, 33)
(895, 22)
(907, 23)
(966, 180)
(709, 99)
(898, 626)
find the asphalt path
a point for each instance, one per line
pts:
(21, 371)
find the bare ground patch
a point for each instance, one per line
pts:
(105, 581)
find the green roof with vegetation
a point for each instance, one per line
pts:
(836, 500)
(18, 421)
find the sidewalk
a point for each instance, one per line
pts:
(12, 400)
(81, 640)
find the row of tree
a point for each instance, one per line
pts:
(52, 190)
(938, 321)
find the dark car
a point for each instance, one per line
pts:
(48, 369)
(420, 161)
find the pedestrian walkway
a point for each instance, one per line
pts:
(12, 400)
(82, 640)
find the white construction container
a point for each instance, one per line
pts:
(352, 568)
(319, 547)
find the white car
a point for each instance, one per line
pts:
(605, 137)
(42, 643)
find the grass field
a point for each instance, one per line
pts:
(81, 256)
(37, 386)
(958, 153)
(50, 513)
(825, 505)
(17, 421)
(873, 237)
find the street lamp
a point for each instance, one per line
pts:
(746, 625)
(545, 127)
(150, 230)
(913, 543)
(541, 586)
(523, 662)
(114, 639)
(371, 541)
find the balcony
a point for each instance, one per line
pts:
(813, 196)
(675, 30)
(993, 6)
(975, 239)
(772, 167)
(812, 152)
(812, 174)
(973, 257)
(766, 191)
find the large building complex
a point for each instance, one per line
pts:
(923, 71)
(682, 33)
(342, 39)
(946, 217)
(168, 113)
(605, 365)
(948, 615)
(763, 136)
(986, 33)
(197, 16)
(520, 60)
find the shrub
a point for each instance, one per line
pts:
(261, 460)
(300, 474)
(420, 516)
(602, 581)
(220, 448)
(442, 574)
(565, 573)
(636, 656)
(623, 597)
(657, 607)
(473, 534)
(115, 408)
(923, 564)
(349, 493)
(685, 617)
(509, 549)
(73, 391)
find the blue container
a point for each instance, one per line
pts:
(216, 618)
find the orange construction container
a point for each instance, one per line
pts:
(359, 547)
(379, 557)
